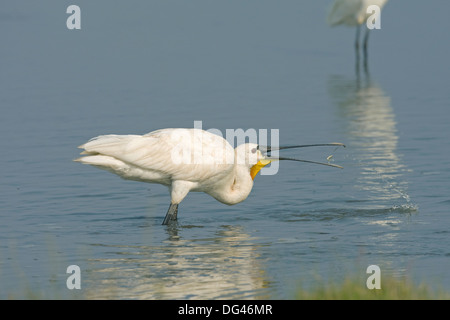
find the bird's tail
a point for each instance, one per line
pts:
(100, 161)
(102, 152)
(110, 145)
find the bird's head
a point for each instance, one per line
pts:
(256, 157)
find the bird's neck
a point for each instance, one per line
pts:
(237, 187)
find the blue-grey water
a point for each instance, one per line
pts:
(138, 66)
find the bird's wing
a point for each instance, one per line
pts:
(181, 154)
(345, 12)
(379, 3)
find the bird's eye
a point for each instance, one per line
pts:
(254, 150)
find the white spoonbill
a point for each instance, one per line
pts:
(184, 160)
(353, 13)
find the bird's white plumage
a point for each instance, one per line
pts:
(163, 155)
(183, 159)
(351, 12)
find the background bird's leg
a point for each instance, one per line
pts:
(366, 39)
(366, 64)
(171, 214)
(358, 31)
(357, 51)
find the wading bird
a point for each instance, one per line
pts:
(353, 13)
(184, 160)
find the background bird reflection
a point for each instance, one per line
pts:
(369, 123)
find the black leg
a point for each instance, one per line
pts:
(358, 31)
(171, 214)
(366, 58)
(366, 40)
(358, 28)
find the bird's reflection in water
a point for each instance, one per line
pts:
(369, 123)
(221, 266)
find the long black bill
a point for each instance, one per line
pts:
(334, 144)
(307, 161)
(268, 149)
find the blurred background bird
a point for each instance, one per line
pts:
(354, 13)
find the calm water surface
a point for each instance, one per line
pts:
(135, 68)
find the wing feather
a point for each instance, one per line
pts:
(178, 154)
(345, 12)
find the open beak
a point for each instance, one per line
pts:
(269, 149)
(267, 159)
